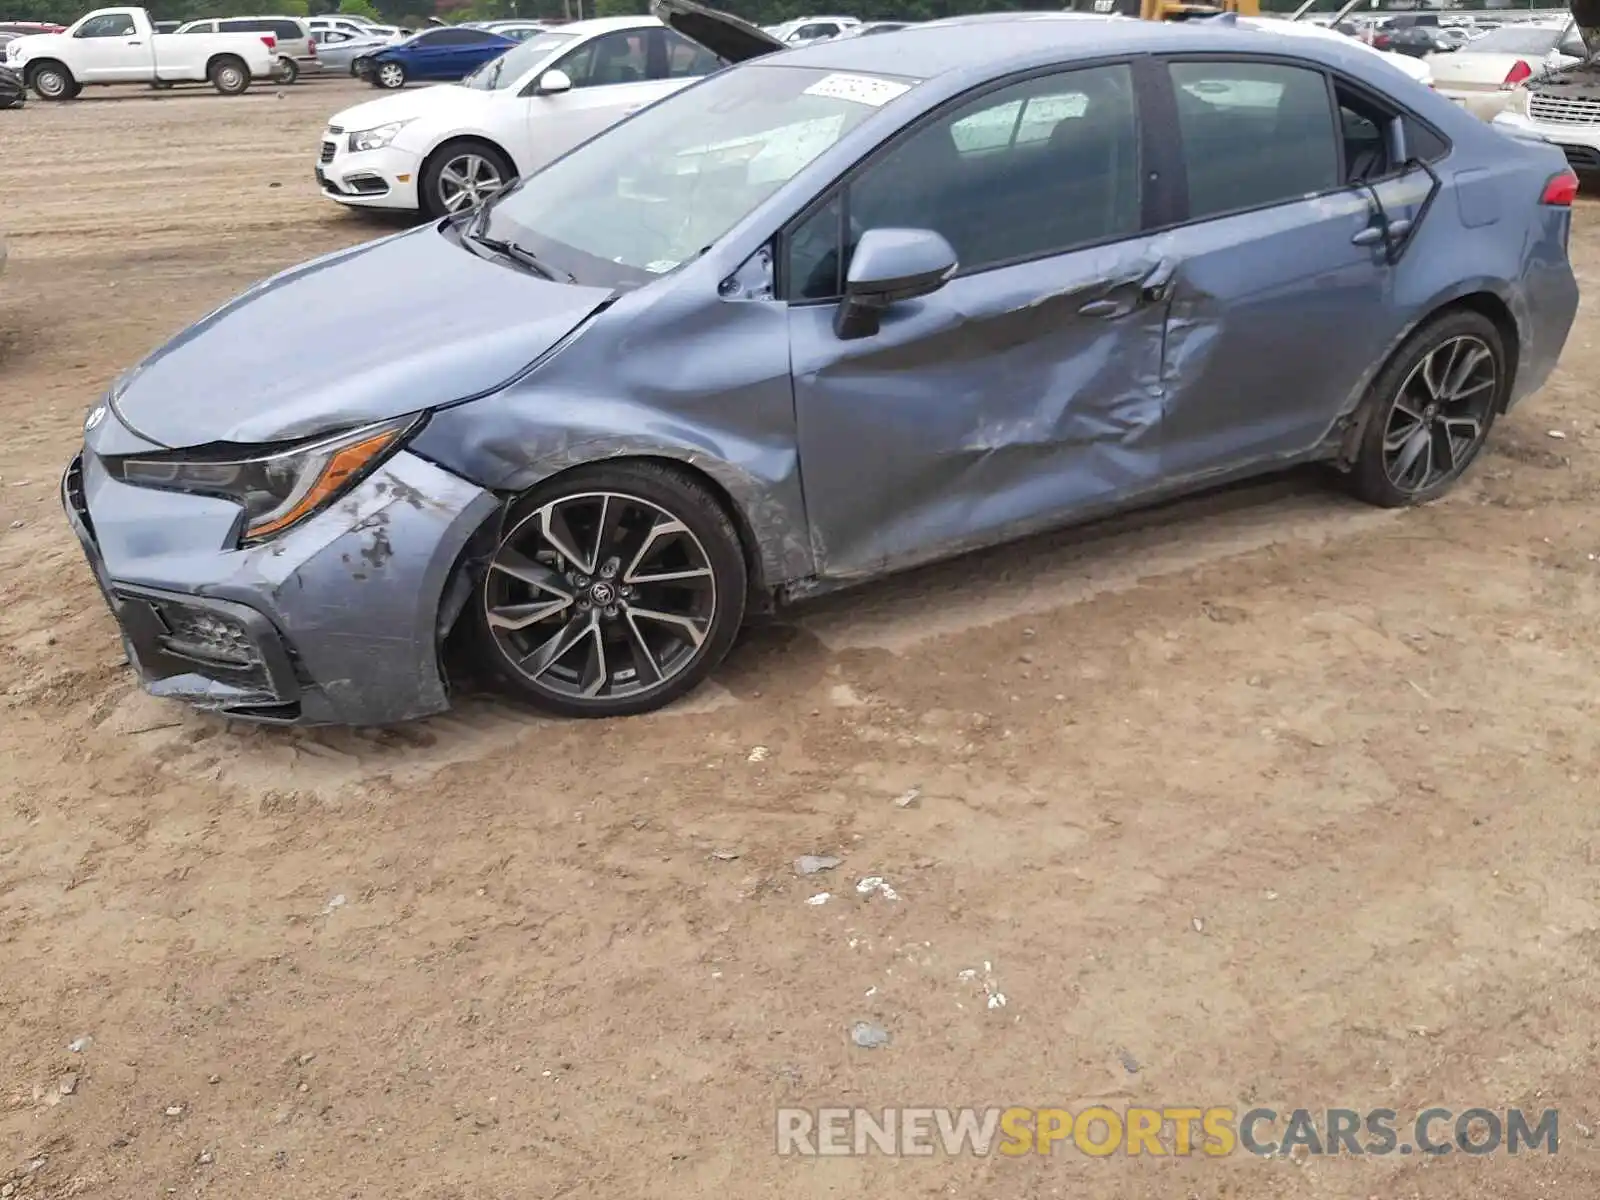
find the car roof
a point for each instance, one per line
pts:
(937, 47)
(602, 25)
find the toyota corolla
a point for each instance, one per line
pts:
(823, 315)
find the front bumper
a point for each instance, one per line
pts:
(385, 178)
(337, 621)
(1580, 143)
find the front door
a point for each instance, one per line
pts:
(613, 76)
(1026, 389)
(111, 49)
(1280, 275)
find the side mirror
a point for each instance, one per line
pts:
(890, 266)
(553, 83)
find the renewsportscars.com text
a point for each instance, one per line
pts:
(1171, 1130)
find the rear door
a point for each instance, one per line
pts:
(1280, 277)
(1026, 389)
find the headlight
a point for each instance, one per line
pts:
(1519, 102)
(277, 490)
(376, 139)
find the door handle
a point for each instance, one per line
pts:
(1153, 288)
(1100, 308)
(1370, 236)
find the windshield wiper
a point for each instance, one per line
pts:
(522, 256)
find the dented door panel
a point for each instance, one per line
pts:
(992, 405)
(1275, 314)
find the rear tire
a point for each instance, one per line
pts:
(52, 81)
(670, 566)
(230, 76)
(1430, 411)
(287, 71)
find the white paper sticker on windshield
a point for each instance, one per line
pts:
(661, 266)
(862, 89)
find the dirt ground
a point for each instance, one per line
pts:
(1265, 799)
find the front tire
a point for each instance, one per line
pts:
(616, 589)
(230, 76)
(459, 176)
(52, 81)
(1431, 411)
(390, 75)
(287, 71)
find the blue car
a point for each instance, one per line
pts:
(825, 314)
(439, 55)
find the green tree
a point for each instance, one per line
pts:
(359, 8)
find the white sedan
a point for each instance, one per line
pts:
(1484, 73)
(443, 149)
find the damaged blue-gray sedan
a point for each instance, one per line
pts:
(826, 314)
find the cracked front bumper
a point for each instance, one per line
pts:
(335, 622)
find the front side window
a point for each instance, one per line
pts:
(1040, 167)
(1253, 134)
(107, 25)
(664, 186)
(504, 71)
(609, 59)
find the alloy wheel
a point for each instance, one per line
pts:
(600, 596)
(1441, 414)
(391, 76)
(466, 181)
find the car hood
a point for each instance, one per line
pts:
(23, 46)
(446, 100)
(729, 38)
(405, 323)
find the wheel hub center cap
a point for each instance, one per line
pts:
(602, 594)
(1431, 413)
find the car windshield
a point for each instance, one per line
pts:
(661, 188)
(504, 71)
(1508, 40)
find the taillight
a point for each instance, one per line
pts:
(1560, 190)
(311, 49)
(270, 42)
(1520, 70)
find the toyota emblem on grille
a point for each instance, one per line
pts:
(96, 415)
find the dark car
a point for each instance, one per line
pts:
(442, 55)
(12, 90)
(1415, 41)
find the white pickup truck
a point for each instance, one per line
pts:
(120, 45)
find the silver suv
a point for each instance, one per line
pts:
(295, 49)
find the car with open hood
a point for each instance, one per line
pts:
(825, 314)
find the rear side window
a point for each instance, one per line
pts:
(1253, 134)
(287, 31)
(686, 59)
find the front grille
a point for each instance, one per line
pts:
(1582, 158)
(1563, 110)
(73, 486)
(328, 151)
